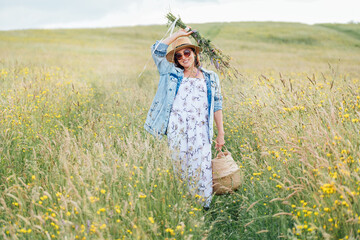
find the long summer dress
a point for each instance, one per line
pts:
(188, 138)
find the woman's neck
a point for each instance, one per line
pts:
(191, 72)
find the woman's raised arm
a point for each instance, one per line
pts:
(159, 49)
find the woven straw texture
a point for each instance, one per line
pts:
(226, 173)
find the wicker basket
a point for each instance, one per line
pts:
(226, 174)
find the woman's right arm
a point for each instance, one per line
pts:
(159, 49)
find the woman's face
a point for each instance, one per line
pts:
(185, 57)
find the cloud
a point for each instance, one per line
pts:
(22, 14)
(36, 13)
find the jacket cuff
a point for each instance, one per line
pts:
(217, 105)
(160, 48)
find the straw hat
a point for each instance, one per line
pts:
(181, 43)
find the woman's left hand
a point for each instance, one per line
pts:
(220, 141)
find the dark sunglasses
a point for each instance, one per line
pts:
(187, 53)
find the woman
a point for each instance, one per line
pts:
(187, 101)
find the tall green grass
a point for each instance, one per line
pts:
(76, 162)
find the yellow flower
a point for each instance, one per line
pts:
(169, 230)
(101, 210)
(328, 188)
(151, 219)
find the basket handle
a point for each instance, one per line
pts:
(220, 151)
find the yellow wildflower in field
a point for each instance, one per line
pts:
(43, 198)
(94, 199)
(92, 229)
(171, 231)
(151, 219)
(142, 195)
(117, 209)
(328, 188)
(101, 210)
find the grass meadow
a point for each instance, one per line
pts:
(76, 163)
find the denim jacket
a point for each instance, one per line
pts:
(170, 79)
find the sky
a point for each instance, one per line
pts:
(50, 14)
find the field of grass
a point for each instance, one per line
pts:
(76, 163)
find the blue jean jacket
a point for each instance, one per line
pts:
(170, 79)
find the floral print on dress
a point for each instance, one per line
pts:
(188, 139)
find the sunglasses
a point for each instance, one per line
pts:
(187, 53)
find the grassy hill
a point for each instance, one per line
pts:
(76, 163)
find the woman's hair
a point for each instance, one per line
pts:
(197, 63)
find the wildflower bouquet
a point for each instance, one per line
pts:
(217, 58)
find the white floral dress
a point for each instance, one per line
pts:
(188, 139)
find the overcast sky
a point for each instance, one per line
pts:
(24, 14)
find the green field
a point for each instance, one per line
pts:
(76, 163)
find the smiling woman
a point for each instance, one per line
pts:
(186, 103)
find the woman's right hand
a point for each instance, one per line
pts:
(183, 32)
(174, 36)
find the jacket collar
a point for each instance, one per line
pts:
(204, 70)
